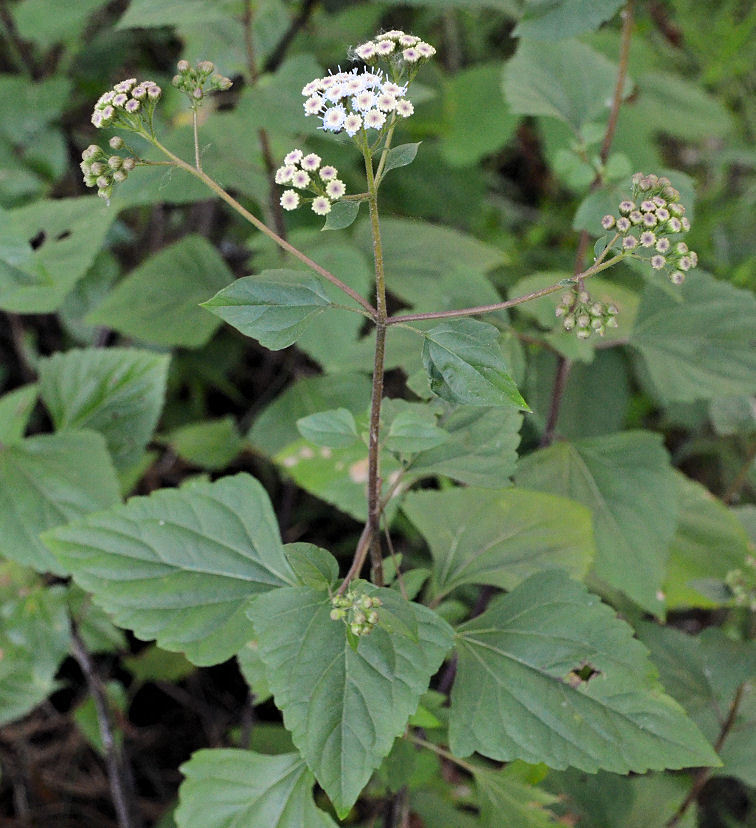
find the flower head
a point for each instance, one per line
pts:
(290, 200)
(321, 206)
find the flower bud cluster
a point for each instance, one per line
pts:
(196, 81)
(397, 48)
(357, 610)
(743, 584)
(651, 223)
(128, 105)
(305, 173)
(355, 101)
(102, 170)
(584, 315)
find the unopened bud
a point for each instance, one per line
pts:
(116, 142)
(119, 176)
(128, 164)
(206, 67)
(183, 66)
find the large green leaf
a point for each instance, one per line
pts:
(227, 788)
(628, 484)
(465, 365)
(557, 19)
(345, 706)
(116, 391)
(46, 248)
(48, 480)
(15, 410)
(505, 799)
(571, 82)
(181, 565)
(273, 307)
(481, 536)
(34, 639)
(708, 543)
(549, 674)
(699, 348)
(482, 448)
(157, 302)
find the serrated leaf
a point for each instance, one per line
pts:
(627, 482)
(342, 215)
(549, 674)
(15, 410)
(345, 706)
(253, 670)
(181, 565)
(335, 428)
(67, 233)
(500, 538)
(481, 451)
(572, 83)
(225, 788)
(709, 542)
(558, 19)
(504, 799)
(46, 481)
(157, 302)
(699, 348)
(314, 566)
(465, 365)
(273, 307)
(400, 156)
(115, 391)
(410, 433)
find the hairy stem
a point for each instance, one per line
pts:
(597, 267)
(113, 757)
(441, 752)
(263, 228)
(195, 128)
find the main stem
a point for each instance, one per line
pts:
(374, 478)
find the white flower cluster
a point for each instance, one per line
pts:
(305, 173)
(395, 44)
(125, 103)
(352, 101)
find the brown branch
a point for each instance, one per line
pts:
(704, 774)
(21, 46)
(275, 59)
(117, 775)
(733, 490)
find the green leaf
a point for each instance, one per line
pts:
(558, 19)
(481, 450)
(627, 482)
(478, 536)
(699, 348)
(26, 107)
(157, 302)
(338, 476)
(211, 444)
(115, 391)
(345, 706)
(313, 566)
(273, 307)
(15, 410)
(253, 670)
(46, 481)
(549, 674)
(342, 215)
(400, 156)
(156, 664)
(708, 543)
(67, 234)
(733, 415)
(335, 428)
(704, 673)
(181, 565)
(465, 365)
(35, 22)
(472, 131)
(34, 640)
(226, 788)
(571, 82)
(505, 799)
(412, 428)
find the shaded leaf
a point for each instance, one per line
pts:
(505, 799)
(335, 428)
(400, 156)
(558, 19)
(313, 566)
(212, 444)
(342, 215)
(15, 410)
